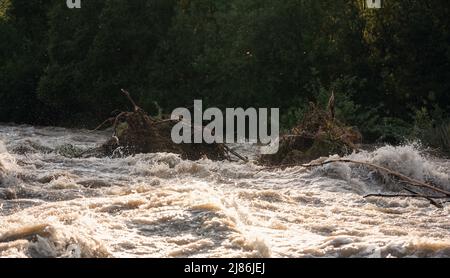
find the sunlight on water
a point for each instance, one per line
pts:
(158, 205)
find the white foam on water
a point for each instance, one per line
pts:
(158, 205)
(408, 160)
(8, 167)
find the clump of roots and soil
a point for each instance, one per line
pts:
(137, 132)
(319, 134)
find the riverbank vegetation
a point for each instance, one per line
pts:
(389, 68)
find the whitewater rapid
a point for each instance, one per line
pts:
(158, 205)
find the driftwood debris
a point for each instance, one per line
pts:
(432, 197)
(319, 134)
(137, 132)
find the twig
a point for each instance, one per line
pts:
(228, 149)
(433, 202)
(405, 196)
(110, 120)
(127, 94)
(398, 175)
(165, 121)
(116, 121)
(283, 166)
(429, 198)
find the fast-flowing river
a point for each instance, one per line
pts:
(158, 205)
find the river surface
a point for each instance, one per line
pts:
(158, 205)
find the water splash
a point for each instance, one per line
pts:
(158, 205)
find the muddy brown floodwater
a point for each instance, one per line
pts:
(158, 205)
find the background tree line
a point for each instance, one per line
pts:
(389, 68)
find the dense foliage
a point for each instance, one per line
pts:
(389, 68)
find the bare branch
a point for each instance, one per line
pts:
(110, 121)
(405, 196)
(127, 94)
(228, 149)
(406, 179)
(433, 202)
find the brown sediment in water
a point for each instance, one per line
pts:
(158, 205)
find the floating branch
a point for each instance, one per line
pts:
(228, 149)
(413, 195)
(405, 196)
(404, 178)
(433, 202)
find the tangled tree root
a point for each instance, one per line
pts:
(318, 135)
(137, 132)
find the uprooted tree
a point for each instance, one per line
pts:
(137, 132)
(319, 134)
